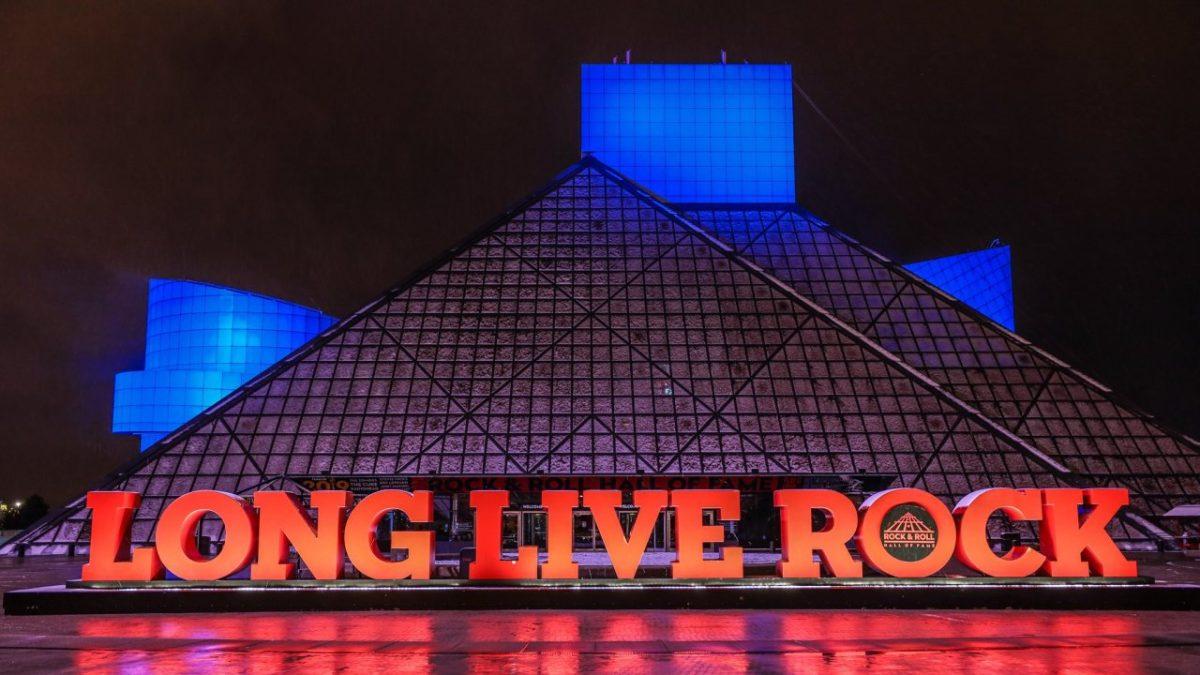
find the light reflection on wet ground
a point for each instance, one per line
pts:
(607, 641)
(550, 641)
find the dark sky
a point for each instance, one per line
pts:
(319, 154)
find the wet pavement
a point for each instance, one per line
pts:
(600, 641)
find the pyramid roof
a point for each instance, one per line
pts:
(590, 330)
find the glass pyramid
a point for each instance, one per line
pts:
(594, 330)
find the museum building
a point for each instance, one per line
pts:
(661, 314)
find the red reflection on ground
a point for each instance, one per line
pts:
(303, 626)
(622, 641)
(620, 626)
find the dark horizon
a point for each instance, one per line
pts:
(319, 156)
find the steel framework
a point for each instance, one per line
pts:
(594, 329)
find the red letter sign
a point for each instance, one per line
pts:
(560, 534)
(281, 521)
(975, 551)
(361, 540)
(625, 554)
(489, 510)
(175, 536)
(1067, 542)
(109, 558)
(692, 534)
(799, 540)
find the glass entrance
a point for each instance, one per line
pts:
(524, 527)
(533, 529)
(586, 538)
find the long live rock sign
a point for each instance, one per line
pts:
(267, 530)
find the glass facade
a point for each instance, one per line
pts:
(202, 342)
(981, 279)
(694, 133)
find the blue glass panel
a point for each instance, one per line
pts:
(981, 279)
(148, 440)
(202, 342)
(161, 400)
(193, 325)
(694, 133)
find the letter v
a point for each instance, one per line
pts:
(626, 554)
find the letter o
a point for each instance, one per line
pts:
(175, 536)
(870, 535)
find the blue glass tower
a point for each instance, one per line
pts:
(707, 133)
(981, 279)
(202, 342)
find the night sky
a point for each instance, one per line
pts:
(320, 154)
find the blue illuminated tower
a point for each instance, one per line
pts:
(699, 133)
(202, 342)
